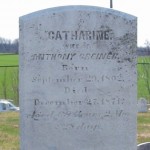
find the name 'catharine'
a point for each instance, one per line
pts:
(80, 35)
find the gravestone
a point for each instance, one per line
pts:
(144, 146)
(78, 79)
(142, 105)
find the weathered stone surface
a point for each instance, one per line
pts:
(142, 105)
(144, 146)
(78, 79)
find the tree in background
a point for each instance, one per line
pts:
(8, 46)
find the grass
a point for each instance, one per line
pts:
(143, 127)
(9, 130)
(9, 77)
(143, 76)
(8, 60)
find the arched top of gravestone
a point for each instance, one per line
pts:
(79, 8)
(142, 99)
(144, 146)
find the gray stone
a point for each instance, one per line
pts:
(144, 146)
(142, 105)
(78, 79)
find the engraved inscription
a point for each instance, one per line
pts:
(80, 35)
(78, 77)
(72, 56)
(72, 67)
(86, 101)
(67, 78)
